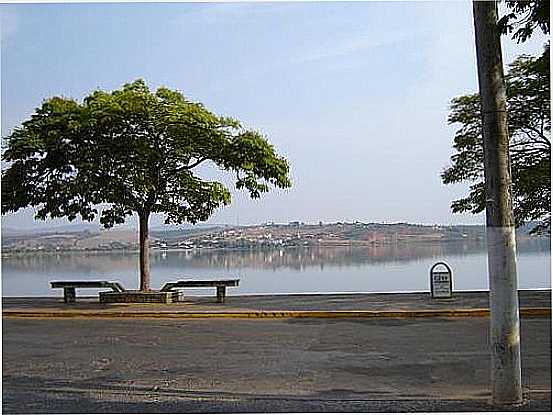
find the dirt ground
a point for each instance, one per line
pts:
(261, 365)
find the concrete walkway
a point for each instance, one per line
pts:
(385, 305)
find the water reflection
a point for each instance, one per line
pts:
(401, 267)
(274, 259)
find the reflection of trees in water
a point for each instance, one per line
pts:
(294, 258)
(533, 245)
(300, 258)
(80, 263)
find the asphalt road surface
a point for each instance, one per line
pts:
(261, 365)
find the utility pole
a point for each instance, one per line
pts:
(500, 229)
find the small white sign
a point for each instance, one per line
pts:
(441, 282)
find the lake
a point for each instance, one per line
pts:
(282, 271)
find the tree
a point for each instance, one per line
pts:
(529, 108)
(132, 151)
(525, 17)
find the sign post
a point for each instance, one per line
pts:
(441, 282)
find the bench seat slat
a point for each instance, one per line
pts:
(205, 283)
(200, 284)
(81, 284)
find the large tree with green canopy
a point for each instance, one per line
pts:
(132, 151)
(529, 106)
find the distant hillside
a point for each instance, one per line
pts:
(75, 228)
(271, 235)
(10, 231)
(185, 232)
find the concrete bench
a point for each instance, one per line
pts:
(220, 284)
(69, 287)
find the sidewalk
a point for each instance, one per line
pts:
(535, 303)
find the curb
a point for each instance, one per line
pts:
(475, 312)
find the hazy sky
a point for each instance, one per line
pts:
(355, 95)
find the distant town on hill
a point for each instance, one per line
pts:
(268, 235)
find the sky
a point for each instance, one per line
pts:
(354, 95)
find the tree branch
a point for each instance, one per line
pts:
(541, 137)
(188, 166)
(196, 163)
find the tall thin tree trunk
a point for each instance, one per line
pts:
(500, 230)
(144, 251)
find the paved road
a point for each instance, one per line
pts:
(291, 365)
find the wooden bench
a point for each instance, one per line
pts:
(69, 287)
(220, 284)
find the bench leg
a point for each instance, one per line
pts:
(69, 295)
(221, 292)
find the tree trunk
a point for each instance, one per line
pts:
(504, 320)
(144, 251)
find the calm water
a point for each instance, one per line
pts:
(301, 270)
